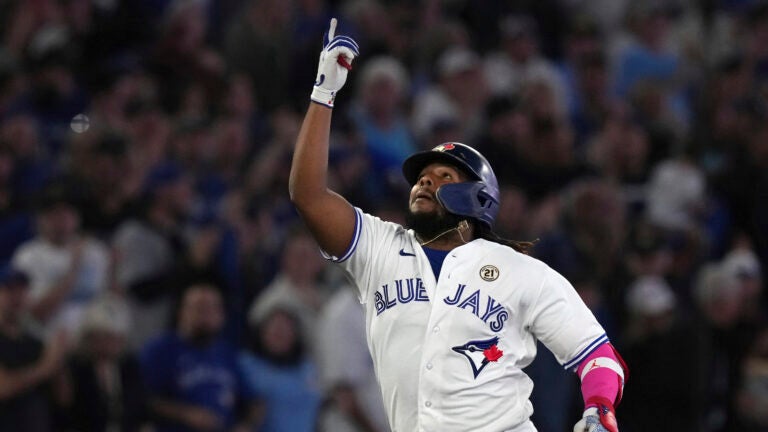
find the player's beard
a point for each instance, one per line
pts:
(429, 225)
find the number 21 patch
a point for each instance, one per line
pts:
(489, 273)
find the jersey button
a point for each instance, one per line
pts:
(427, 404)
(435, 329)
(429, 366)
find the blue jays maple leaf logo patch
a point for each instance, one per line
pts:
(480, 353)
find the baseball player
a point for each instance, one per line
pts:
(453, 311)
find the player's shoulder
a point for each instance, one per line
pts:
(508, 253)
(373, 220)
(522, 263)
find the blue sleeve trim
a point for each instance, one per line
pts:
(586, 351)
(353, 244)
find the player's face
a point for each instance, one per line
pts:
(423, 199)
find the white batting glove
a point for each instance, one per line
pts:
(600, 419)
(335, 62)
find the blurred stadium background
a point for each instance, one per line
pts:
(156, 277)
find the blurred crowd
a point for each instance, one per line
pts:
(155, 276)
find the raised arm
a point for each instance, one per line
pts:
(330, 218)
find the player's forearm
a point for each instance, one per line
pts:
(309, 170)
(602, 376)
(329, 217)
(307, 184)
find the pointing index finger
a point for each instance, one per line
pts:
(332, 30)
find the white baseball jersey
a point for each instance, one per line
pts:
(449, 353)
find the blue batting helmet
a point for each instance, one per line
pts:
(477, 199)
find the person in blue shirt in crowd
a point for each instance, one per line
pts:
(192, 374)
(281, 375)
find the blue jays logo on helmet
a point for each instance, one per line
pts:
(477, 198)
(480, 353)
(444, 147)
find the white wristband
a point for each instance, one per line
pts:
(602, 362)
(323, 97)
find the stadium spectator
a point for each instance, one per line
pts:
(32, 167)
(192, 375)
(590, 237)
(280, 375)
(16, 223)
(149, 249)
(378, 114)
(259, 43)
(656, 331)
(548, 163)
(593, 101)
(741, 264)
(459, 93)
(720, 348)
(583, 43)
(518, 62)
(99, 168)
(54, 95)
(27, 364)
(676, 194)
(620, 151)
(507, 131)
(181, 59)
(67, 268)
(297, 286)
(753, 393)
(103, 388)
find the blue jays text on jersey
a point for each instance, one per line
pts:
(403, 291)
(472, 302)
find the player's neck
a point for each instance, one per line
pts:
(447, 244)
(450, 239)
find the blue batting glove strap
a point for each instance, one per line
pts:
(331, 75)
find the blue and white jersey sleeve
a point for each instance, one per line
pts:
(373, 238)
(352, 245)
(560, 319)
